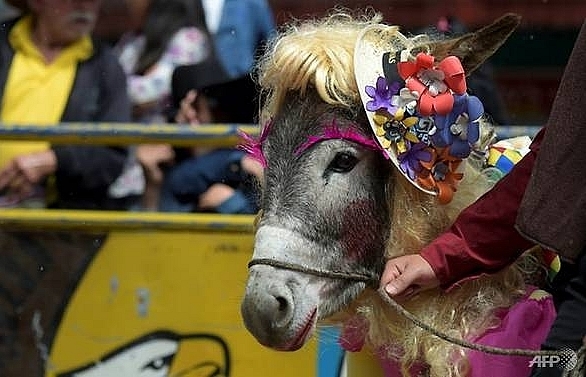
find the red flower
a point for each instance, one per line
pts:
(435, 83)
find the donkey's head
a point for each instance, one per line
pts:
(333, 204)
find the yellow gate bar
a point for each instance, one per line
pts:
(43, 219)
(212, 135)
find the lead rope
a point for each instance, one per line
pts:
(313, 271)
(460, 342)
(577, 370)
(372, 281)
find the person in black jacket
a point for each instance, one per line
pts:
(52, 71)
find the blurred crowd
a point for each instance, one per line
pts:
(143, 61)
(184, 61)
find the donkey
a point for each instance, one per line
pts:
(336, 204)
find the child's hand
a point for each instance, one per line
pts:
(217, 194)
(406, 275)
(252, 166)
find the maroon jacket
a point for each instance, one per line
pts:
(483, 239)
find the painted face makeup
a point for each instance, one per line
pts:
(253, 145)
(332, 131)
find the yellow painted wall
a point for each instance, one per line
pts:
(180, 281)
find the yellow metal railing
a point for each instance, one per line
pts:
(212, 135)
(176, 134)
(86, 220)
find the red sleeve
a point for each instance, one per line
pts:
(483, 239)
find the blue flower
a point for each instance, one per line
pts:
(459, 129)
(381, 95)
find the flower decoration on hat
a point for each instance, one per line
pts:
(413, 160)
(381, 95)
(459, 129)
(396, 128)
(435, 83)
(441, 175)
(426, 121)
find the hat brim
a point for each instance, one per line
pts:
(195, 76)
(237, 97)
(374, 42)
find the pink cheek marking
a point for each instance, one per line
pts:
(359, 226)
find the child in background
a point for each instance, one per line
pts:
(173, 33)
(168, 33)
(220, 180)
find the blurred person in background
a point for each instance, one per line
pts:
(172, 33)
(221, 180)
(168, 34)
(52, 71)
(239, 28)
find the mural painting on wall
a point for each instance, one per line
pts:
(81, 305)
(162, 353)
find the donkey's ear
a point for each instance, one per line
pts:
(474, 48)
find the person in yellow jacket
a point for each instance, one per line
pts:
(52, 71)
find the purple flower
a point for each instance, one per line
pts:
(381, 95)
(409, 161)
(459, 129)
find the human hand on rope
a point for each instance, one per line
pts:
(406, 275)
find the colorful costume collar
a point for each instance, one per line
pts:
(418, 109)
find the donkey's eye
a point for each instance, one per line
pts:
(343, 162)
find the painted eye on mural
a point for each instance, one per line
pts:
(159, 363)
(343, 162)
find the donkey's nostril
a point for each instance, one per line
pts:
(282, 311)
(283, 305)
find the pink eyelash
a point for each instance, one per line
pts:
(332, 131)
(253, 145)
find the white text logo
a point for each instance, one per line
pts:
(565, 359)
